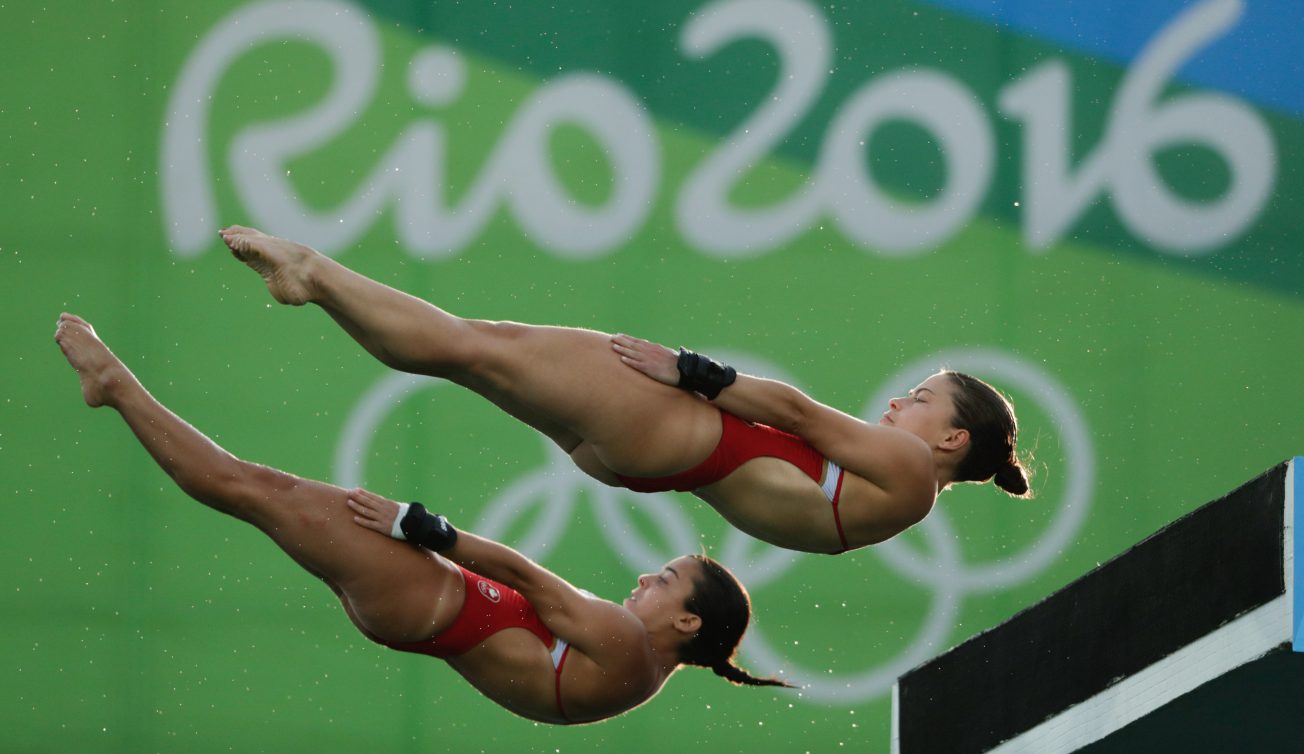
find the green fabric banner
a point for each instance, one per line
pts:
(843, 197)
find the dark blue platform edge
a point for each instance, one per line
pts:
(1203, 596)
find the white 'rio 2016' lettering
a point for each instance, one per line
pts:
(519, 175)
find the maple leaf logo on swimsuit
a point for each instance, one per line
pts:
(490, 591)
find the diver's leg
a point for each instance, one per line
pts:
(401, 331)
(565, 382)
(396, 591)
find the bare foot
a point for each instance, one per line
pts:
(284, 265)
(100, 371)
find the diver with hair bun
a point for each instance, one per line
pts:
(775, 463)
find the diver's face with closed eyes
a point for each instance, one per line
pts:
(927, 412)
(662, 595)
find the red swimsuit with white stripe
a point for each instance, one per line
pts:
(489, 608)
(740, 442)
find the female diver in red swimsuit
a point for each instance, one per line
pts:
(776, 464)
(517, 632)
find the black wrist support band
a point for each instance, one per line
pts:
(430, 530)
(703, 374)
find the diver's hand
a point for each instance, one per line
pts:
(653, 359)
(373, 511)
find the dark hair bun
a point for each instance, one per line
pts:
(1013, 479)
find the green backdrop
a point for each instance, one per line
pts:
(846, 197)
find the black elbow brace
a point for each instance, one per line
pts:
(703, 374)
(430, 530)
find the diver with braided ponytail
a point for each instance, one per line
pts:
(725, 608)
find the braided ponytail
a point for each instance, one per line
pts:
(725, 609)
(739, 677)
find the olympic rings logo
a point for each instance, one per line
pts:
(557, 485)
